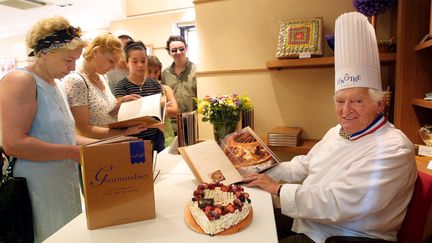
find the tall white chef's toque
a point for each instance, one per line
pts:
(356, 53)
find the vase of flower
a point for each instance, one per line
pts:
(223, 128)
(223, 112)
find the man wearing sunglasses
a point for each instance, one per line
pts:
(180, 76)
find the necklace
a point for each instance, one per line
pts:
(135, 80)
(94, 78)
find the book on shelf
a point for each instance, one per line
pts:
(247, 119)
(118, 182)
(187, 128)
(284, 136)
(147, 110)
(239, 154)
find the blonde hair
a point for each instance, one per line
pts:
(107, 42)
(46, 27)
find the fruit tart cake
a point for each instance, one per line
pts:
(217, 207)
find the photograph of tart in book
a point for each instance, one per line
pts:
(217, 176)
(247, 152)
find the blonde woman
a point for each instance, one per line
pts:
(38, 128)
(91, 101)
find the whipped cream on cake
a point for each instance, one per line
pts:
(217, 207)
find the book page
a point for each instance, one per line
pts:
(163, 105)
(209, 163)
(145, 106)
(114, 139)
(247, 152)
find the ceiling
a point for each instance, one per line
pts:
(90, 15)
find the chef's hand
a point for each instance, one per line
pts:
(263, 181)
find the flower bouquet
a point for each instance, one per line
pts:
(372, 7)
(223, 112)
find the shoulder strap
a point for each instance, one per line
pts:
(31, 74)
(86, 84)
(84, 79)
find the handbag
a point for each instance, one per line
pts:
(16, 219)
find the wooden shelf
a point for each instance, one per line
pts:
(422, 103)
(424, 45)
(316, 62)
(305, 146)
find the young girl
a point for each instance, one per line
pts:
(138, 83)
(154, 69)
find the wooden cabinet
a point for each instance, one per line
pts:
(413, 68)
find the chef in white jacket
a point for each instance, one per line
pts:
(358, 180)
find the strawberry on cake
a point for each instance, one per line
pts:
(217, 207)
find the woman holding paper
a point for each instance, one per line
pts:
(90, 99)
(137, 83)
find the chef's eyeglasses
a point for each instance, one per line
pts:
(174, 50)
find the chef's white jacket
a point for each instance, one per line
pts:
(351, 188)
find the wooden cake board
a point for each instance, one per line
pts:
(234, 229)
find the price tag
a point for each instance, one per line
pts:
(425, 150)
(305, 55)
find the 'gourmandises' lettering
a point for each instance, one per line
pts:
(102, 176)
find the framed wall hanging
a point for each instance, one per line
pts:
(299, 36)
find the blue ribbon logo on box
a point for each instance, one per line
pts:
(137, 152)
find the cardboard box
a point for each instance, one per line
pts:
(118, 183)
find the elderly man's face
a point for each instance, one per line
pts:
(355, 109)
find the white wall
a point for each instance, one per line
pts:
(142, 7)
(154, 29)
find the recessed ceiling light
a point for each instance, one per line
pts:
(64, 5)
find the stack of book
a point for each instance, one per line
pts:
(284, 136)
(187, 128)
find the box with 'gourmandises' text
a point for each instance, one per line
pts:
(118, 183)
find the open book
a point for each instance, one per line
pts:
(147, 110)
(239, 154)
